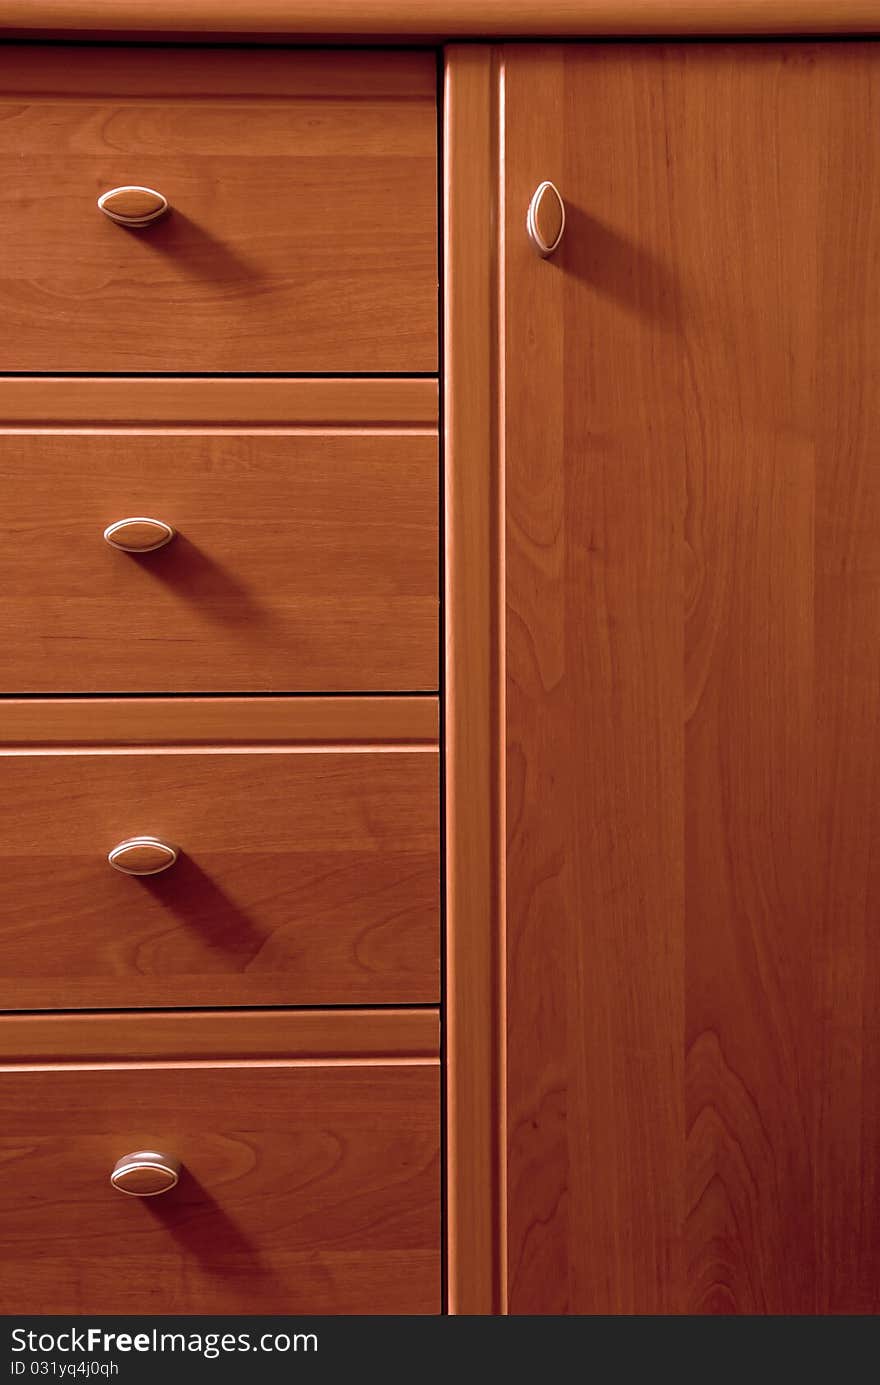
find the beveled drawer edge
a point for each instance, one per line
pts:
(99, 722)
(248, 1036)
(115, 401)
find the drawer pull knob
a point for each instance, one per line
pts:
(133, 206)
(146, 1173)
(142, 856)
(545, 222)
(138, 534)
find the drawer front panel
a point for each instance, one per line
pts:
(304, 877)
(301, 234)
(308, 1187)
(302, 560)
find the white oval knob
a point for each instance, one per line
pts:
(132, 205)
(545, 221)
(143, 856)
(138, 534)
(145, 1173)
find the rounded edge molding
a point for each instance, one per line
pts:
(445, 20)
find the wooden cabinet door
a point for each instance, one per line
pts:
(692, 565)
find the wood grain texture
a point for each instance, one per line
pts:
(305, 877)
(301, 562)
(474, 704)
(304, 1189)
(750, 356)
(206, 1036)
(210, 721)
(594, 726)
(846, 1110)
(692, 588)
(446, 18)
(52, 400)
(301, 234)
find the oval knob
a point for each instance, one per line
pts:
(142, 856)
(545, 222)
(138, 534)
(146, 1173)
(133, 206)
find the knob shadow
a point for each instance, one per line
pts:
(194, 897)
(616, 267)
(195, 249)
(192, 1215)
(195, 577)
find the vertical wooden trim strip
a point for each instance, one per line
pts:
(499, 730)
(474, 683)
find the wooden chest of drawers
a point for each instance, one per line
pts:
(222, 443)
(179, 545)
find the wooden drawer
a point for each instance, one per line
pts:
(305, 555)
(308, 871)
(302, 230)
(309, 1183)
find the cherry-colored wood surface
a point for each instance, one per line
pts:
(693, 613)
(192, 1036)
(56, 400)
(302, 560)
(474, 697)
(444, 18)
(843, 961)
(305, 1188)
(301, 234)
(211, 721)
(305, 877)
